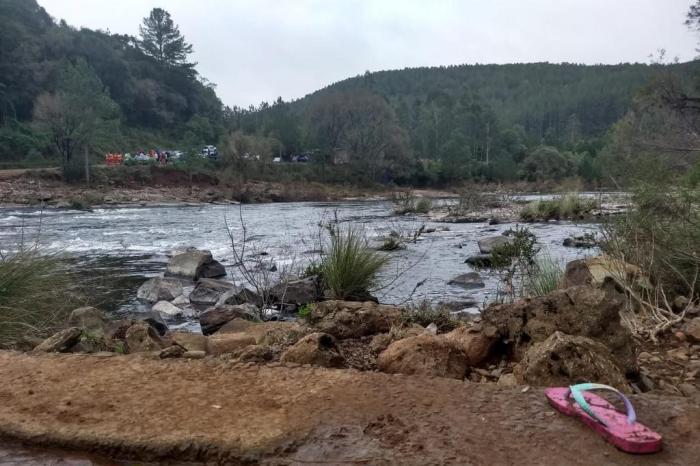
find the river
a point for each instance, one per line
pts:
(124, 246)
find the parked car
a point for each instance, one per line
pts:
(210, 152)
(174, 155)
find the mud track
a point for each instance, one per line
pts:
(217, 412)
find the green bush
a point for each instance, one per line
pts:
(423, 206)
(425, 314)
(567, 207)
(350, 265)
(34, 295)
(543, 277)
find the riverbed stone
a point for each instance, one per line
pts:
(194, 264)
(164, 307)
(479, 260)
(189, 340)
(240, 295)
(221, 343)
(91, 320)
(469, 281)
(487, 245)
(215, 317)
(476, 344)
(207, 291)
(427, 354)
(351, 319)
(60, 342)
(159, 289)
(317, 349)
(578, 311)
(299, 292)
(142, 337)
(563, 360)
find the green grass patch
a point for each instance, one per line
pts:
(567, 207)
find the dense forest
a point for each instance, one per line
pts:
(64, 90)
(49, 68)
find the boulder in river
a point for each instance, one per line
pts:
(159, 289)
(194, 264)
(217, 316)
(240, 295)
(427, 354)
(563, 360)
(487, 245)
(166, 308)
(299, 292)
(208, 291)
(479, 260)
(317, 349)
(469, 281)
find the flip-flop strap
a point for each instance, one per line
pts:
(577, 393)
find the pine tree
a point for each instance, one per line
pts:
(161, 39)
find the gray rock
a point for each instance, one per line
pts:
(215, 317)
(159, 289)
(208, 291)
(297, 292)
(141, 337)
(469, 281)
(90, 320)
(479, 260)
(194, 264)
(60, 342)
(166, 308)
(240, 295)
(487, 245)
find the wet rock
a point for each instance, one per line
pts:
(208, 291)
(159, 289)
(348, 319)
(297, 292)
(563, 360)
(221, 343)
(60, 342)
(194, 264)
(142, 337)
(240, 295)
(190, 341)
(487, 245)
(90, 320)
(692, 330)
(480, 260)
(155, 320)
(174, 351)
(215, 317)
(476, 344)
(317, 349)
(580, 242)
(469, 281)
(579, 311)
(166, 308)
(426, 354)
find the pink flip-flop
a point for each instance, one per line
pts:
(620, 429)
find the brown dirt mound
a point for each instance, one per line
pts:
(219, 412)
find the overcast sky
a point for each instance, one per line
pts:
(257, 50)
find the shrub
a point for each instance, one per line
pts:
(406, 203)
(567, 207)
(543, 277)
(350, 265)
(423, 205)
(34, 293)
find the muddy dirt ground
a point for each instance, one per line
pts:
(218, 412)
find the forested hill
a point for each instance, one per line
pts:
(558, 102)
(155, 99)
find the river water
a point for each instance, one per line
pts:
(124, 246)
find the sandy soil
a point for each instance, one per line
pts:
(219, 412)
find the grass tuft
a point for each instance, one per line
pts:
(567, 207)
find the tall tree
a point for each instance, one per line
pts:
(161, 39)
